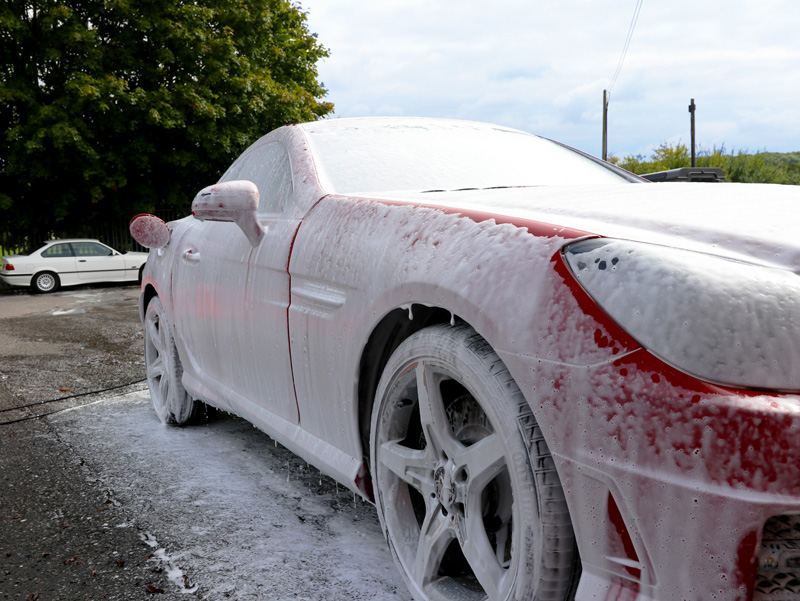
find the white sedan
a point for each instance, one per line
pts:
(70, 263)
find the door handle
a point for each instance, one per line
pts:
(190, 255)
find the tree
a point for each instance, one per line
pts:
(113, 107)
(664, 157)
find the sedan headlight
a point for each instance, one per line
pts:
(721, 320)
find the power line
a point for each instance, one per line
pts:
(72, 396)
(635, 18)
(63, 398)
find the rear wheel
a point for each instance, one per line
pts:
(466, 489)
(172, 403)
(46, 281)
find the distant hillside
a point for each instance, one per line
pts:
(781, 158)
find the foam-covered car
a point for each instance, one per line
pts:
(71, 262)
(555, 380)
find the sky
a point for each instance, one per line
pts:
(542, 65)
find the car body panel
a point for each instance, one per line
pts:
(582, 357)
(727, 220)
(244, 296)
(669, 479)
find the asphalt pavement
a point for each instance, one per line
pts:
(98, 500)
(58, 525)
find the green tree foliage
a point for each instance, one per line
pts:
(113, 107)
(763, 167)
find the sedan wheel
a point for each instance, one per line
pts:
(46, 282)
(453, 442)
(172, 403)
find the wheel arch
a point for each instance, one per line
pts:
(147, 295)
(389, 333)
(46, 270)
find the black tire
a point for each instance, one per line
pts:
(466, 489)
(45, 282)
(172, 403)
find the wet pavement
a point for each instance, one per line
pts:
(58, 534)
(58, 527)
(71, 342)
(98, 500)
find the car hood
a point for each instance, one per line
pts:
(751, 222)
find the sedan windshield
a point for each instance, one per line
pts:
(380, 155)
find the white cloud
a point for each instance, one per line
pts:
(542, 67)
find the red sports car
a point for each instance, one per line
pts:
(555, 380)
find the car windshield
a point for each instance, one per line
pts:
(368, 156)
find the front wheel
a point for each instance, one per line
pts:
(453, 447)
(172, 403)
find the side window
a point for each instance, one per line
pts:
(90, 249)
(58, 250)
(268, 167)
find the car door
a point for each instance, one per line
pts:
(238, 295)
(98, 263)
(60, 259)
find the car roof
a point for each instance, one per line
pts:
(423, 122)
(60, 240)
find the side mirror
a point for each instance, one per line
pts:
(149, 231)
(235, 201)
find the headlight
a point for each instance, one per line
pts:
(720, 320)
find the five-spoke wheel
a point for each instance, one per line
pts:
(453, 443)
(172, 403)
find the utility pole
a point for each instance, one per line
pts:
(692, 109)
(605, 125)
